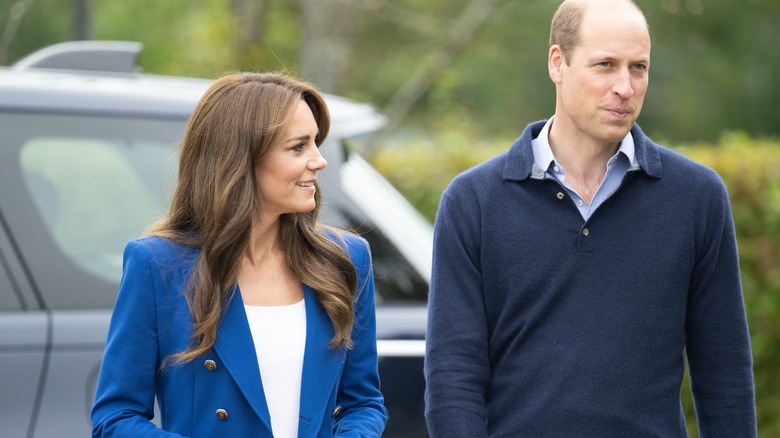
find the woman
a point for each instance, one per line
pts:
(239, 312)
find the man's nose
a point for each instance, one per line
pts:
(622, 86)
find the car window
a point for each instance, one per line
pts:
(81, 188)
(91, 194)
(84, 185)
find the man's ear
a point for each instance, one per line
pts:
(555, 61)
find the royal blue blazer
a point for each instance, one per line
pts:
(221, 393)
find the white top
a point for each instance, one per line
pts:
(279, 335)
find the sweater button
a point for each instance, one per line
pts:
(222, 414)
(585, 232)
(559, 195)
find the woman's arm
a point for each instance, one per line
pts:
(363, 413)
(124, 401)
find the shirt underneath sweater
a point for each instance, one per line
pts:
(544, 324)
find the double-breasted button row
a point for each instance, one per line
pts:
(211, 365)
(221, 414)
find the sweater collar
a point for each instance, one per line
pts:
(520, 164)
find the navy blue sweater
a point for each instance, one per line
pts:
(543, 324)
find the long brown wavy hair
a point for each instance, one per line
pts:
(217, 202)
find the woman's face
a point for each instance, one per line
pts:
(286, 175)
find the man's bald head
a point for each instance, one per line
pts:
(567, 21)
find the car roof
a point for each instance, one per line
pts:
(33, 85)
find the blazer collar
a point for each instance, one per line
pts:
(235, 347)
(321, 365)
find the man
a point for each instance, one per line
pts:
(573, 273)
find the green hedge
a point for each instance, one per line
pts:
(751, 171)
(421, 169)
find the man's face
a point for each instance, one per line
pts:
(602, 87)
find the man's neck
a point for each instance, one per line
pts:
(583, 158)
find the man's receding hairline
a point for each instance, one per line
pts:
(579, 8)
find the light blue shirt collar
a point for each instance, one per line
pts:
(545, 166)
(543, 154)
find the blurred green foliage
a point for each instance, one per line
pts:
(751, 171)
(714, 64)
(714, 68)
(750, 168)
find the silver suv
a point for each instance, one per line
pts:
(87, 160)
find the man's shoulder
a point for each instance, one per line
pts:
(479, 177)
(674, 165)
(678, 166)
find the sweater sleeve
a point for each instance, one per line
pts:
(718, 344)
(124, 402)
(457, 368)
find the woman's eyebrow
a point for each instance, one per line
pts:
(304, 137)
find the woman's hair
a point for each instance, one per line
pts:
(217, 202)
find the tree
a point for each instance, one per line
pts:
(16, 13)
(81, 20)
(326, 46)
(459, 35)
(250, 16)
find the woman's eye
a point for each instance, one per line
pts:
(299, 147)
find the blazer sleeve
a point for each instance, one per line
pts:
(363, 413)
(124, 401)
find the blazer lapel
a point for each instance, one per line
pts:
(235, 347)
(321, 366)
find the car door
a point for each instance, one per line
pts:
(23, 343)
(74, 188)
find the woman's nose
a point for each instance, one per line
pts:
(317, 161)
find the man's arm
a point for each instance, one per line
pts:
(718, 343)
(457, 368)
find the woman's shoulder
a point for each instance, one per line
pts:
(162, 250)
(350, 242)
